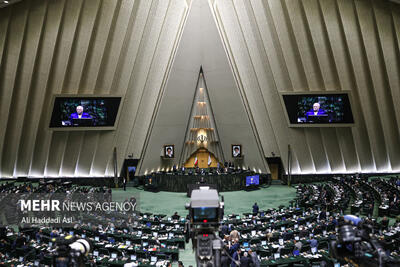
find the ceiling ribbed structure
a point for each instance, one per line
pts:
(80, 47)
(311, 45)
(261, 49)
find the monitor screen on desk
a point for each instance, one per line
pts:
(133, 257)
(95, 253)
(318, 109)
(277, 256)
(113, 255)
(153, 259)
(313, 250)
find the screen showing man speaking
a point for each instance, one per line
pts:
(85, 112)
(318, 108)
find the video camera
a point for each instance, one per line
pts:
(205, 211)
(355, 245)
(71, 252)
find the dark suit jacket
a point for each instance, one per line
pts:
(245, 261)
(225, 230)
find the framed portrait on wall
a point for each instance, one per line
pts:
(169, 151)
(236, 151)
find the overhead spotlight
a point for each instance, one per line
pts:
(5, 2)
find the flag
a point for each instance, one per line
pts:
(195, 161)
(209, 159)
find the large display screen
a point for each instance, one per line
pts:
(318, 109)
(90, 112)
(252, 180)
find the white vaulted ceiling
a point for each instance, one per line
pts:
(86, 47)
(128, 47)
(332, 45)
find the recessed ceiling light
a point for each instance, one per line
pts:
(5, 2)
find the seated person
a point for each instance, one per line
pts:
(175, 216)
(385, 222)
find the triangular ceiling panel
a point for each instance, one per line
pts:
(202, 132)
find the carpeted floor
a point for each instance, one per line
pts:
(235, 202)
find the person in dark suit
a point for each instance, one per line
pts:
(255, 261)
(304, 233)
(385, 222)
(224, 259)
(236, 258)
(79, 114)
(175, 216)
(255, 209)
(245, 260)
(224, 230)
(233, 248)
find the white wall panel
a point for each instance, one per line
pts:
(85, 47)
(33, 30)
(8, 72)
(127, 47)
(329, 45)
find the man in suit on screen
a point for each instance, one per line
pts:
(79, 114)
(316, 113)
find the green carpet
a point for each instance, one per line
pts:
(237, 202)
